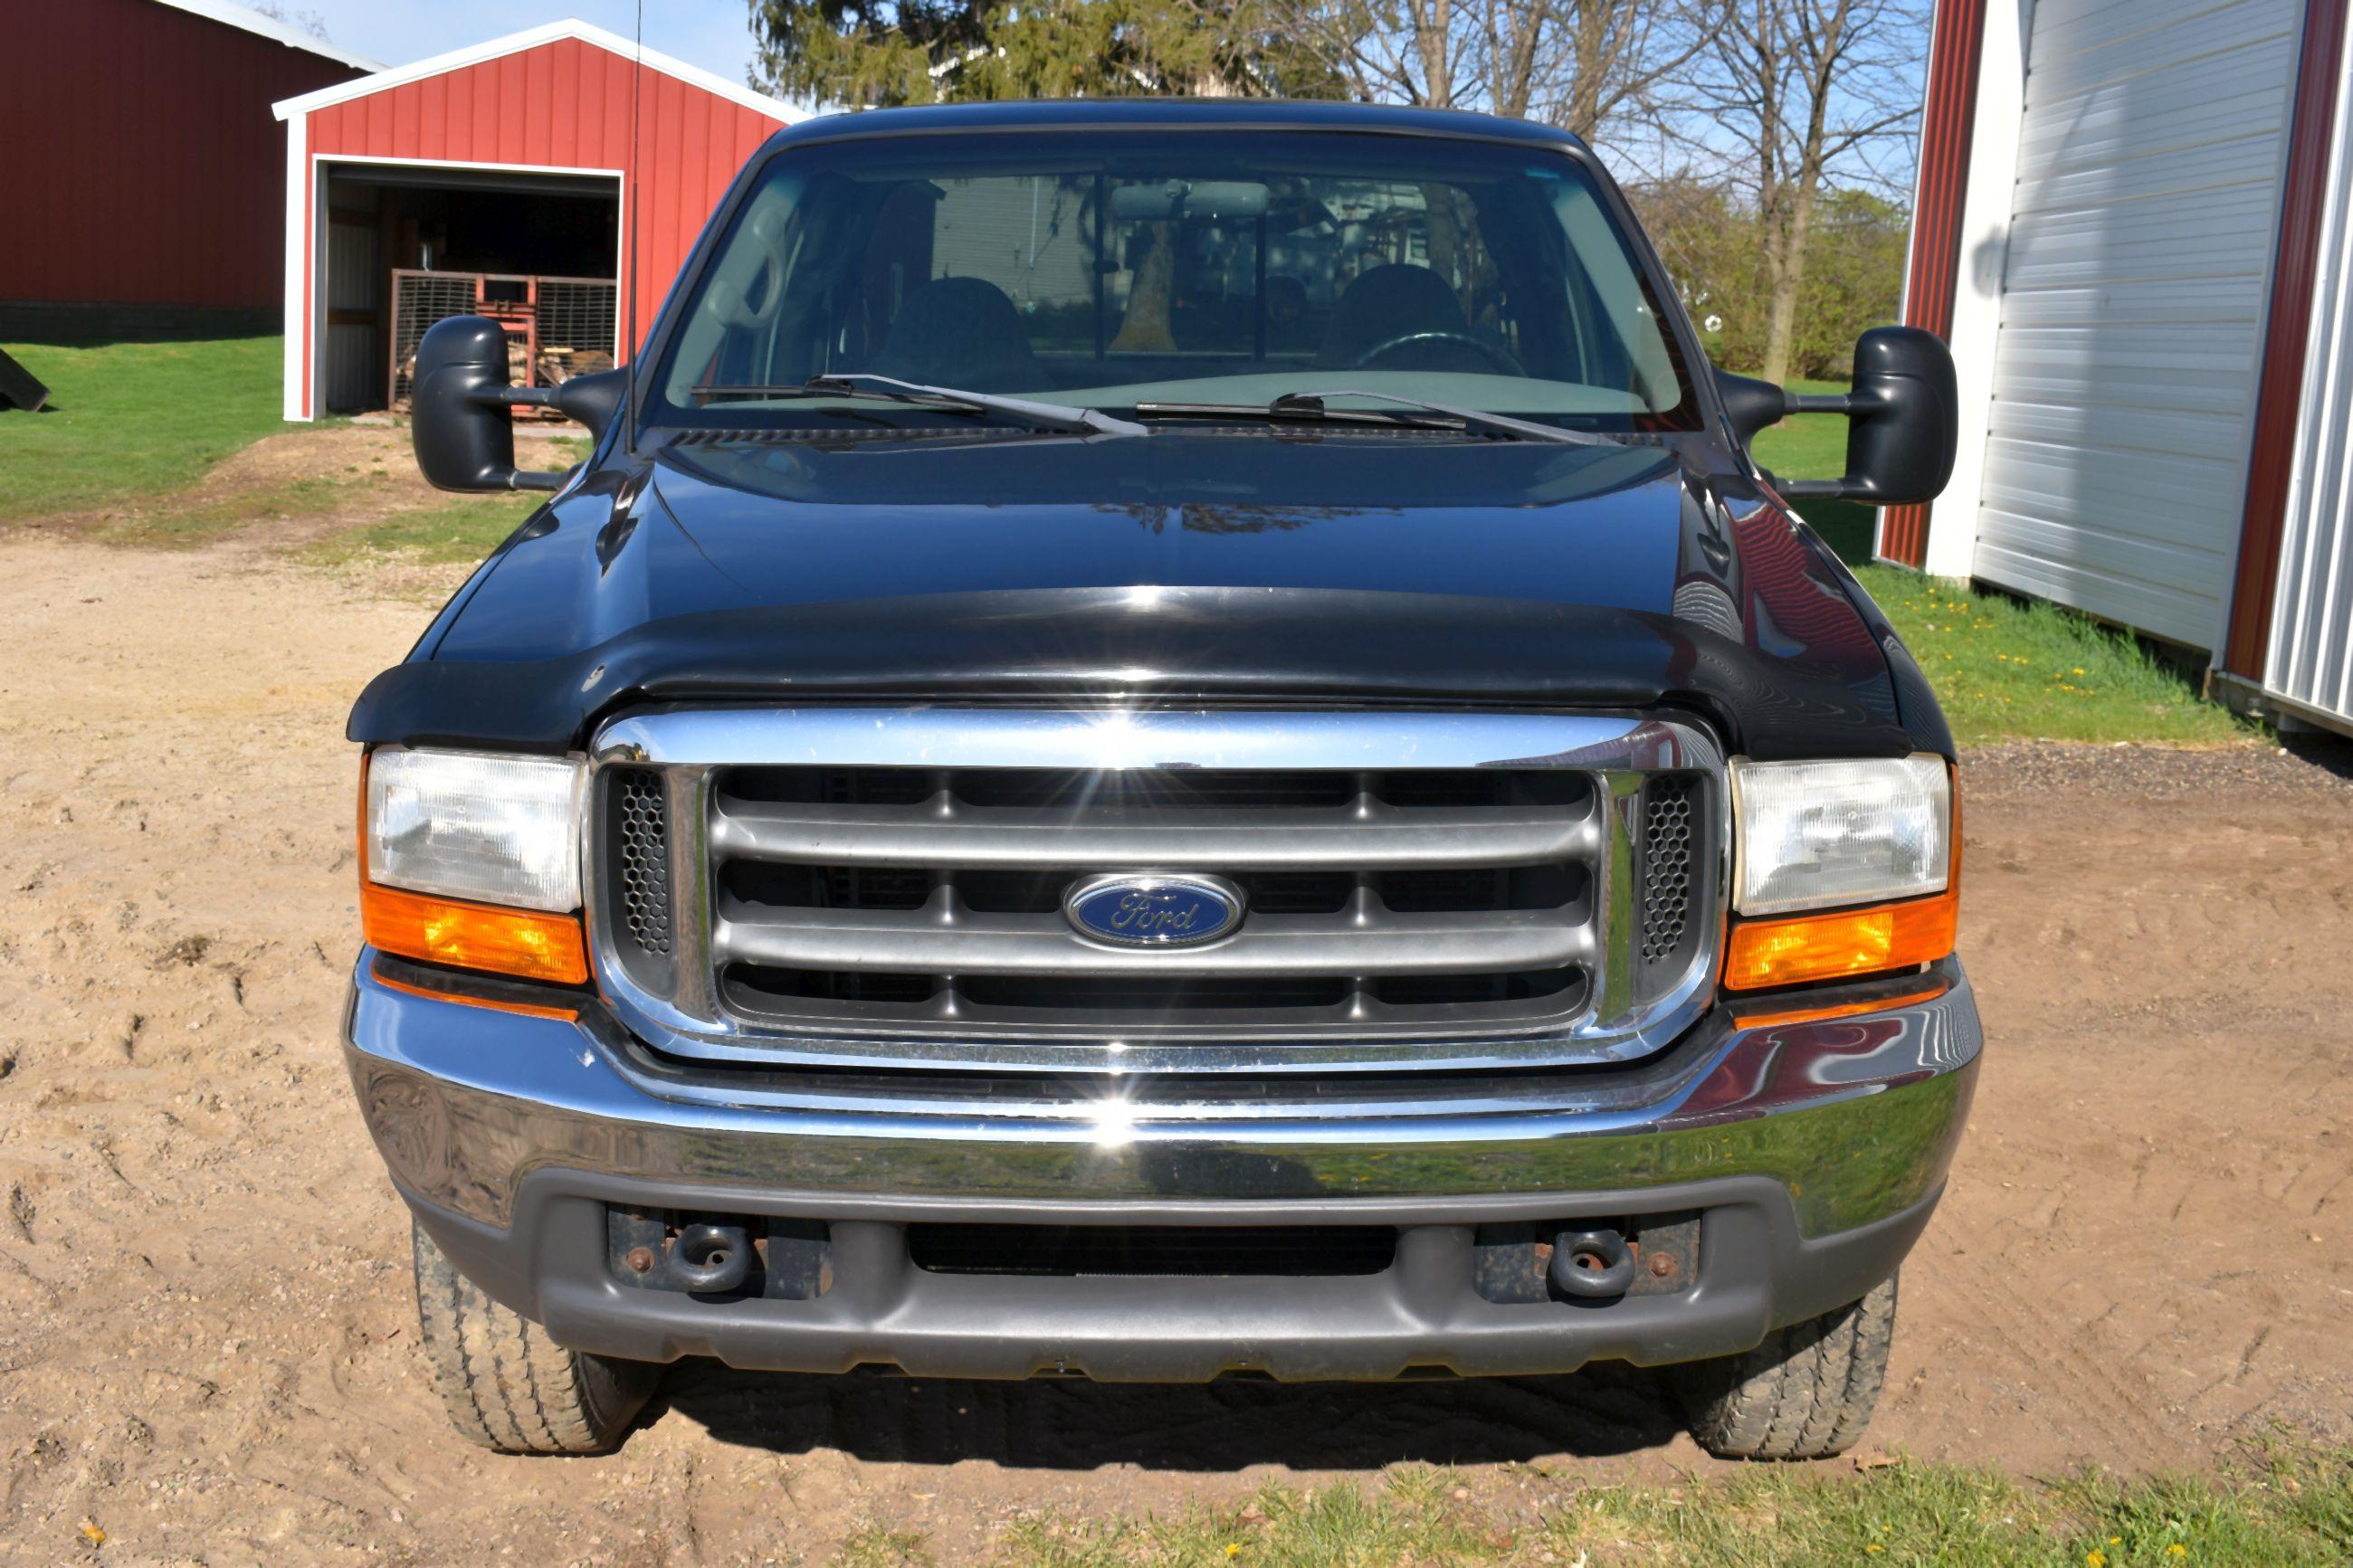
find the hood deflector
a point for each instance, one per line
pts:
(1156, 646)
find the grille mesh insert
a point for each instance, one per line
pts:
(1670, 852)
(641, 833)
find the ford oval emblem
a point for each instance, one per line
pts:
(1153, 911)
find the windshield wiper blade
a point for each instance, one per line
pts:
(861, 383)
(1312, 405)
(1477, 419)
(1306, 413)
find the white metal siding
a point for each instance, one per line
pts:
(2140, 248)
(2311, 656)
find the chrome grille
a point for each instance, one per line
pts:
(1427, 886)
(902, 897)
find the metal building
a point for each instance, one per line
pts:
(143, 163)
(2131, 226)
(551, 178)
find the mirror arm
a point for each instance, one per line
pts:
(1819, 489)
(593, 400)
(524, 397)
(1751, 405)
(1823, 489)
(590, 400)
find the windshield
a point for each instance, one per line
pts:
(1157, 267)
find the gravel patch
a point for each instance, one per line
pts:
(2320, 766)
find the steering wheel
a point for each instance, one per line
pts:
(1496, 354)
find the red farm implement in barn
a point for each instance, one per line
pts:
(557, 328)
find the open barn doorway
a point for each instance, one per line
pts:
(401, 245)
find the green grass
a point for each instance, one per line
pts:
(460, 529)
(2007, 669)
(2278, 1510)
(880, 1546)
(199, 523)
(131, 420)
(2004, 669)
(454, 530)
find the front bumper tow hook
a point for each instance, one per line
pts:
(1591, 1264)
(710, 1259)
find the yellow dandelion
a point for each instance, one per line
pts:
(2095, 1558)
(2177, 1550)
(2115, 1541)
(1875, 1547)
(1233, 1549)
(2079, 669)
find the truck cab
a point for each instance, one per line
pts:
(1164, 740)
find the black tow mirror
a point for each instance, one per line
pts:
(459, 417)
(1904, 414)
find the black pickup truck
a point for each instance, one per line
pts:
(1164, 740)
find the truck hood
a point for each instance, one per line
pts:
(1183, 565)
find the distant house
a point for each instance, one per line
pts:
(142, 167)
(2133, 227)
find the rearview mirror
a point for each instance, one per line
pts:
(1904, 415)
(1188, 198)
(458, 415)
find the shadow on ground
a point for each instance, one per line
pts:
(1232, 1424)
(2322, 749)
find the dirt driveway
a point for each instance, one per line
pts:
(206, 1326)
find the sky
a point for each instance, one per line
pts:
(713, 34)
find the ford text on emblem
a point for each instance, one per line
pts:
(1153, 911)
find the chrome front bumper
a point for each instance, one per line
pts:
(1855, 1116)
(1812, 1152)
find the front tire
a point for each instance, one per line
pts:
(1806, 1393)
(505, 1383)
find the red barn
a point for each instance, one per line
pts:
(506, 178)
(143, 163)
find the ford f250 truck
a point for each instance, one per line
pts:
(1164, 740)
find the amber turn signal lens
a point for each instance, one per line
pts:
(1744, 1019)
(496, 1004)
(474, 936)
(1842, 943)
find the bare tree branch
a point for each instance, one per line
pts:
(1788, 96)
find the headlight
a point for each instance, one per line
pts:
(1865, 849)
(472, 860)
(1816, 836)
(473, 824)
